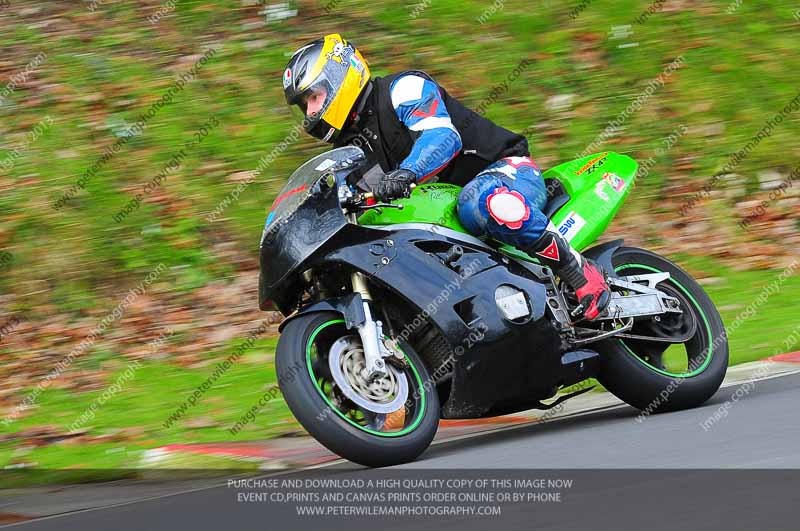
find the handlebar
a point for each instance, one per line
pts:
(370, 195)
(357, 202)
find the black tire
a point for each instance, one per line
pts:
(628, 376)
(321, 419)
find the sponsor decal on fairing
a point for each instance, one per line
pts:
(571, 226)
(616, 182)
(592, 166)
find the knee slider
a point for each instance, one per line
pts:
(508, 207)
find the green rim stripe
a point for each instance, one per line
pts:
(324, 397)
(699, 309)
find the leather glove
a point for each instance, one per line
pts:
(394, 185)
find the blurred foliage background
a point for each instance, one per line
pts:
(106, 62)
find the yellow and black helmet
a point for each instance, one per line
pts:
(332, 67)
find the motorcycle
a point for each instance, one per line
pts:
(397, 317)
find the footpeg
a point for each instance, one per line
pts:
(577, 311)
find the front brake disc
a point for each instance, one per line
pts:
(381, 395)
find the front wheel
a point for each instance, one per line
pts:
(381, 423)
(655, 376)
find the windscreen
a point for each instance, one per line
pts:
(300, 182)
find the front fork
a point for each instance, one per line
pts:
(371, 333)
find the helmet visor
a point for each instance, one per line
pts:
(316, 100)
(314, 103)
(309, 110)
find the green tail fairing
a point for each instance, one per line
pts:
(587, 191)
(597, 185)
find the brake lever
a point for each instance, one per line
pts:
(378, 205)
(369, 195)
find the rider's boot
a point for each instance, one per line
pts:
(586, 279)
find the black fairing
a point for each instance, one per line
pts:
(304, 216)
(290, 241)
(504, 366)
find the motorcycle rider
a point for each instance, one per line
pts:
(413, 131)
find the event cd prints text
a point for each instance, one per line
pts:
(400, 496)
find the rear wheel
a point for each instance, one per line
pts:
(385, 422)
(657, 376)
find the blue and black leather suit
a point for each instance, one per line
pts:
(406, 121)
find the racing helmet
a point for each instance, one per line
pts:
(332, 69)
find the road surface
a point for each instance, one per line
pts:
(760, 429)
